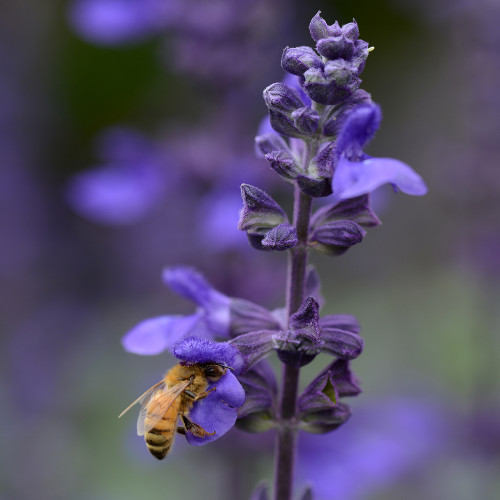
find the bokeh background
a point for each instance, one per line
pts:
(126, 128)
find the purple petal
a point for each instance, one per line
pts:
(218, 218)
(192, 285)
(353, 179)
(359, 127)
(154, 335)
(113, 22)
(218, 411)
(204, 350)
(115, 194)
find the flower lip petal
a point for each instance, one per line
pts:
(204, 350)
(213, 415)
(149, 336)
(352, 179)
(154, 335)
(218, 411)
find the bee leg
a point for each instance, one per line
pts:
(181, 430)
(197, 397)
(205, 394)
(195, 429)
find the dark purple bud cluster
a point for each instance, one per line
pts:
(329, 75)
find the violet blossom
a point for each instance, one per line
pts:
(218, 411)
(217, 315)
(357, 173)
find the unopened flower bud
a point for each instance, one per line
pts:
(260, 212)
(336, 237)
(283, 124)
(297, 60)
(281, 237)
(319, 172)
(336, 47)
(341, 72)
(317, 86)
(321, 422)
(317, 188)
(355, 209)
(267, 143)
(351, 30)
(320, 29)
(282, 98)
(306, 120)
(302, 343)
(283, 163)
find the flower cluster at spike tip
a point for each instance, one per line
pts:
(321, 120)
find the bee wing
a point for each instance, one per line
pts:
(157, 404)
(143, 398)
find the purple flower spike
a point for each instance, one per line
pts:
(218, 411)
(357, 173)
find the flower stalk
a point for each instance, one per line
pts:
(286, 434)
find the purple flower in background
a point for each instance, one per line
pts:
(217, 221)
(217, 315)
(356, 172)
(382, 443)
(126, 186)
(115, 22)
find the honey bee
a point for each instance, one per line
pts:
(171, 398)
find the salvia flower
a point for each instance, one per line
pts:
(217, 315)
(357, 173)
(218, 411)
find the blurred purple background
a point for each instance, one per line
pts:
(126, 127)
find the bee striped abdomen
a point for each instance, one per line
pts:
(159, 439)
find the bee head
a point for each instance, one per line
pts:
(214, 371)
